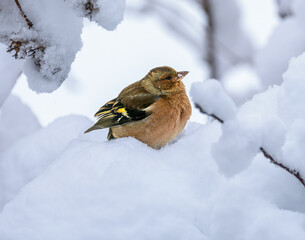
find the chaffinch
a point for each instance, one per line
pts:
(153, 110)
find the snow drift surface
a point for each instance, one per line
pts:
(120, 189)
(123, 189)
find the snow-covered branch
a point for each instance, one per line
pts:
(47, 34)
(211, 99)
(197, 105)
(293, 172)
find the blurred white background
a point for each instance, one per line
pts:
(109, 61)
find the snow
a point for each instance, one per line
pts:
(90, 188)
(268, 121)
(286, 42)
(146, 196)
(51, 44)
(273, 136)
(241, 83)
(291, 97)
(240, 213)
(237, 146)
(106, 13)
(291, 109)
(111, 13)
(213, 99)
(29, 156)
(9, 18)
(12, 123)
(293, 150)
(8, 78)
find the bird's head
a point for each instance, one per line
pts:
(166, 80)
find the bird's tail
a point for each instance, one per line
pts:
(94, 127)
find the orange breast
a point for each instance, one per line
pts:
(167, 121)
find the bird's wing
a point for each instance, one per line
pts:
(131, 105)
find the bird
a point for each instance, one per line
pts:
(153, 110)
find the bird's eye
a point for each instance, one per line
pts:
(168, 78)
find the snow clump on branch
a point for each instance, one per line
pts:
(47, 34)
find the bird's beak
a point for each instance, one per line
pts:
(181, 75)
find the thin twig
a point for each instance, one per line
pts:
(90, 8)
(293, 172)
(29, 23)
(211, 115)
(25, 48)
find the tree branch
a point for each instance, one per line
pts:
(211, 115)
(26, 48)
(293, 172)
(28, 22)
(282, 11)
(210, 35)
(174, 18)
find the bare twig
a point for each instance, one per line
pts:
(25, 48)
(28, 22)
(293, 172)
(211, 115)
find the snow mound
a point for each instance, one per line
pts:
(15, 125)
(120, 189)
(212, 98)
(237, 146)
(29, 156)
(291, 96)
